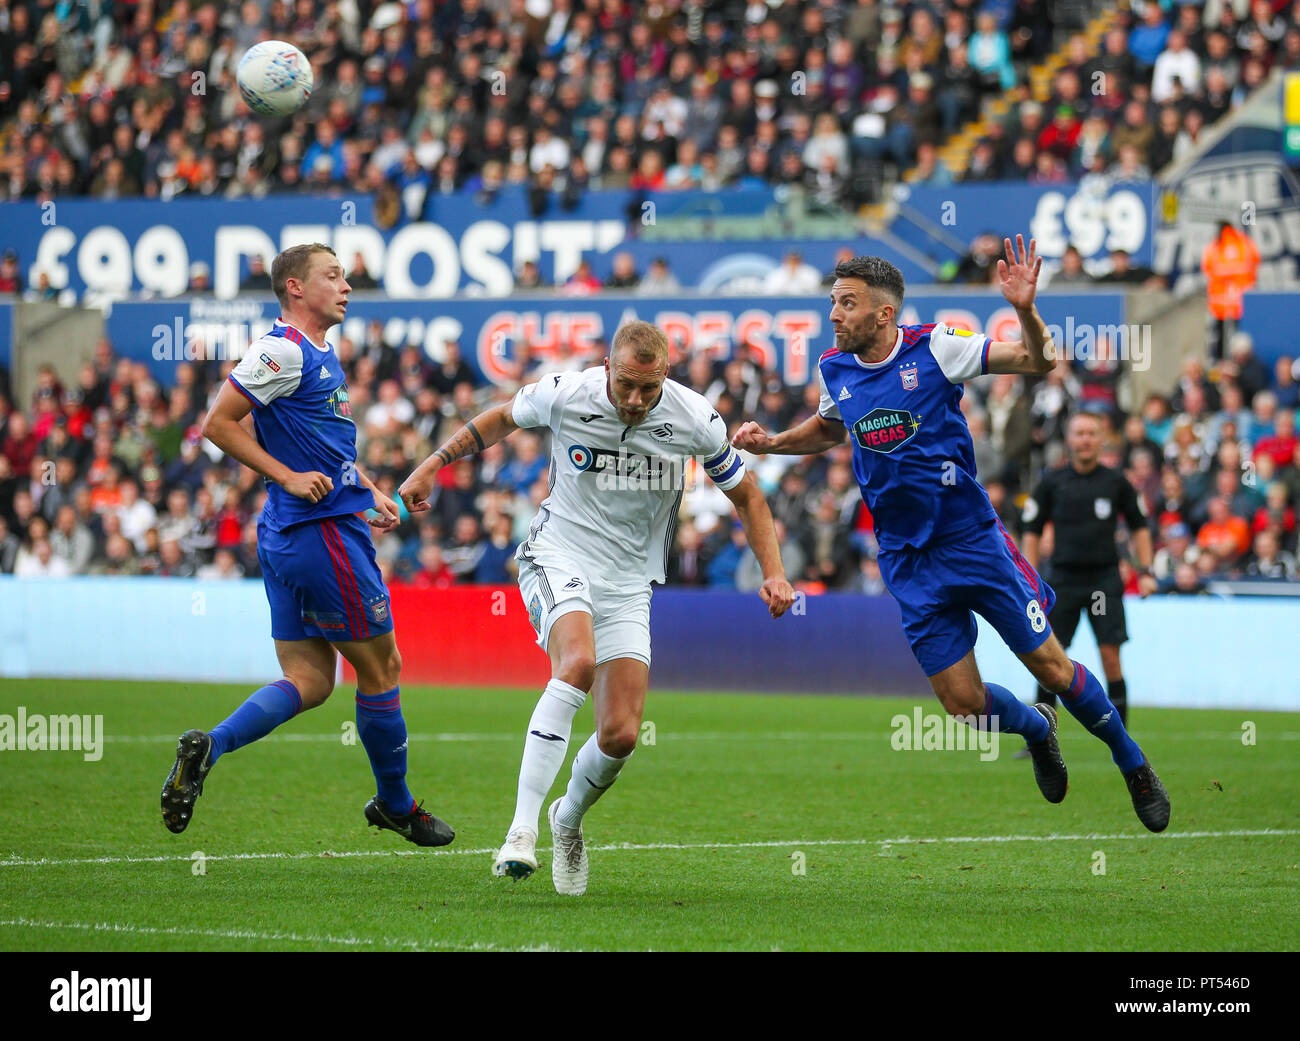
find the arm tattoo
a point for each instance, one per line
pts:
(466, 441)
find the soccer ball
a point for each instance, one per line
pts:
(275, 78)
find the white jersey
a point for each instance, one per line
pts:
(614, 489)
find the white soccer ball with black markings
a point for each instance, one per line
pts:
(275, 78)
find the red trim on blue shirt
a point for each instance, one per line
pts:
(289, 332)
(256, 403)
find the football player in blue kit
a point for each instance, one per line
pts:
(313, 543)
(943, 553)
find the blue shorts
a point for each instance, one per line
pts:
(322, 580)
(938, 587)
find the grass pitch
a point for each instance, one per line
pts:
(752, 823)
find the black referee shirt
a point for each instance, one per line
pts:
(1084, 508)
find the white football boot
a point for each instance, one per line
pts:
(517, 859)
(569, 859)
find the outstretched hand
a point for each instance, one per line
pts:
(1019, 273)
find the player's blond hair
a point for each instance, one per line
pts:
(294, 262)
(644, 343)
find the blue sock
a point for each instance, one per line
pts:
(264, 710)
(1087, 702)
(383, 732)
(1013, 715)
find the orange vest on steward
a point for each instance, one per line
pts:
(1229, 263)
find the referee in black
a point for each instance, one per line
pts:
(1083, 501)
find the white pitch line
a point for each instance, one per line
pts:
(619, 847)
(186, 858)
(908, 840)
(249, 934)
(324, 738)
(513, 738)
(667, 737)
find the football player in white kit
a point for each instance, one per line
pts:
(621, 436)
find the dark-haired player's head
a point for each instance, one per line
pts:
(865, 300)
(636, 369)
(877, 272)
(309, 279)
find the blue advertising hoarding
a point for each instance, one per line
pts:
(450, 275)
(139, 246)
(788, 332)
(1255, 191)
(147, 247)
(135, 328)
(1095, 217)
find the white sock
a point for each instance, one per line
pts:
(543, 756)
(593, 772)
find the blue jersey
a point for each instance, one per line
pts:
(303, 419)
(912, 451)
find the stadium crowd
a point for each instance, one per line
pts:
(417, 100)
(111, 476)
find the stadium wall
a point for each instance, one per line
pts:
(1192, 653)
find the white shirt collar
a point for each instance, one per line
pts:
(884, 361)
(290, 325)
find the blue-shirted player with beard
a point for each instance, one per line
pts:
(943, 553)
(313, 543)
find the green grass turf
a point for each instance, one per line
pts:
(810, 775)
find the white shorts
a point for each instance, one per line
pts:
(553, 585)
